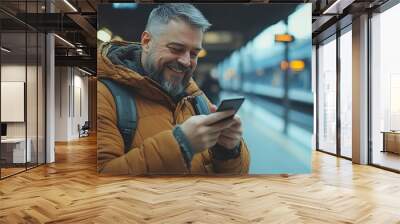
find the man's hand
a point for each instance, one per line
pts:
(200, 132)
(231, 136)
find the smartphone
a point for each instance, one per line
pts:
(230, 104)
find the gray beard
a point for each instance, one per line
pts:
(172, 89)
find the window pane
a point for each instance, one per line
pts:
(31, 97)
(41, 98)
(327, 97)
(385, 89)
(346, 94)
(14, 153)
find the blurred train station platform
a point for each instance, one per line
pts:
(272, 150)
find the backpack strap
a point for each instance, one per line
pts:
(201, 104)
(126, 110)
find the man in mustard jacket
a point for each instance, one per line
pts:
(169, 138)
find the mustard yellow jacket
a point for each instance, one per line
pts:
(154, 149)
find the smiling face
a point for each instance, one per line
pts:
(171, 57)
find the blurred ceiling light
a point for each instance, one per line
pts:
(283, 38)
(331, 7)
(337, 7)
(70, 5)
(217, 37)
(297, 65)
(5, 50)
(104, 35)
(202, 53)
(65, 41)
(86, 72)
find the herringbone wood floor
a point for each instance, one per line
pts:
(70, 191)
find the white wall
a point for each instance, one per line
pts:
(71, 93)
(12, 101)
(13, 72)
(61, 103)
(81, 103)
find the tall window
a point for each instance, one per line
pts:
(346, 93)
(327, 96)
(385, 84)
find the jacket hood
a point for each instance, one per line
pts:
(120, 61)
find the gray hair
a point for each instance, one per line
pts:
(164, 13)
